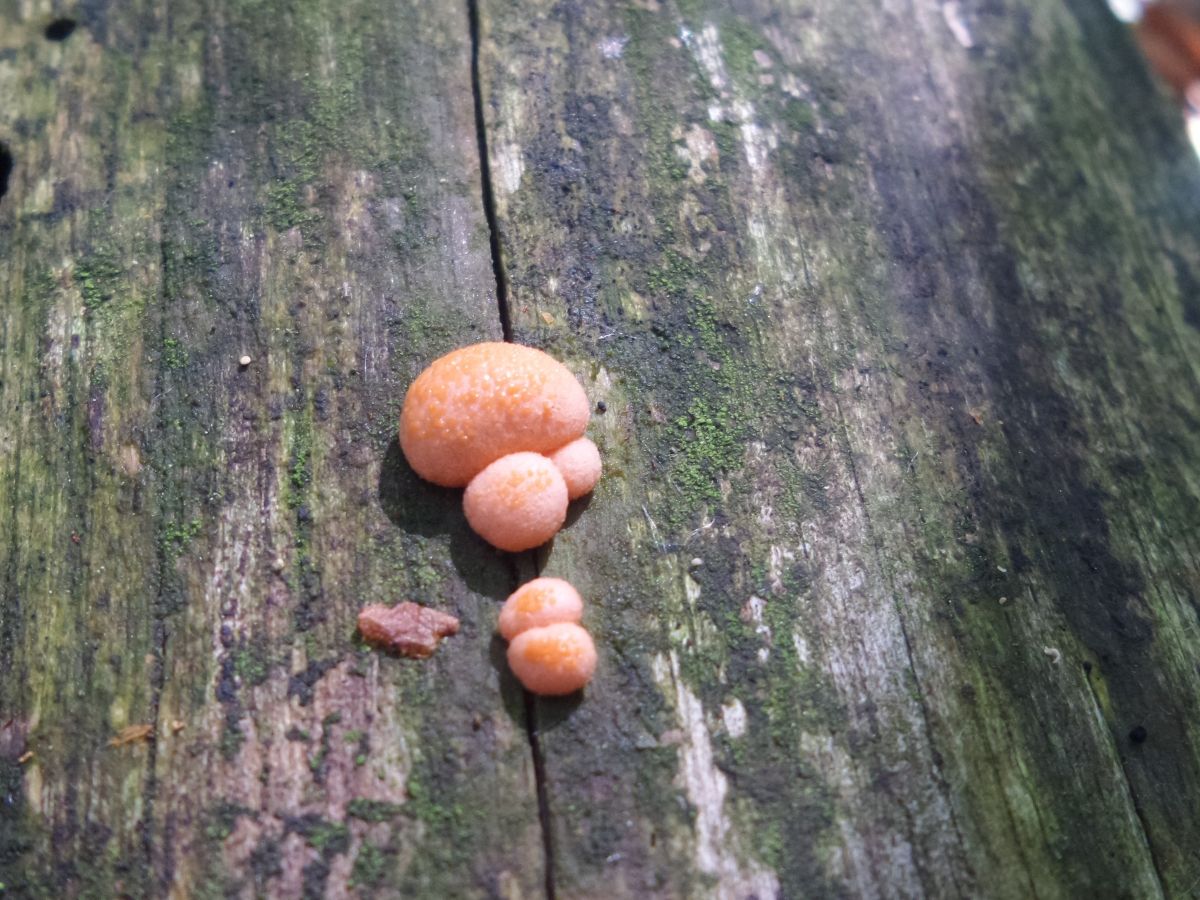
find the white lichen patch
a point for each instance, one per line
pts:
(733, 716)
(130, 460)
(690, 626)
(793, 86)
(718, 846)
(698, 148)
(65, 327)
(621, 122)
(952, 13)
(706, 47)
(778, 559)
(613, 47)
(752, 613)
(757, 143)
(353, 218)
(767, 218)
(803, 654)
(510, 166)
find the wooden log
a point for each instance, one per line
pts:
(890, 317)
(894, 567)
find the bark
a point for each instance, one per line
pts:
(890, 314)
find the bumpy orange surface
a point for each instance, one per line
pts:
(553, 660)
(517, 503)
(579, 463)
(543, 601)
(482, 402)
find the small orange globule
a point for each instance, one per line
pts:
(579, 463)
(543, 601)
(517, 503)
(553, 660)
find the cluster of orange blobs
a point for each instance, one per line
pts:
(506, 422)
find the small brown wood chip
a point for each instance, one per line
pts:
(409, 629)
(132, 734)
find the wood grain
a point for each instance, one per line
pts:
(188, 541)
(891, 307)
(890, 317)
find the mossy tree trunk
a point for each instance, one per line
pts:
(890, 312)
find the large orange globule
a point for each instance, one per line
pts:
(479, 403)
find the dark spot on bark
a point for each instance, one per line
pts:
(6, 167)
(301, 684)
(315, 875)
(601, 406)
(59, 30)
(226, 682)
(96, 419)
(1186, 284)
(1137, 734)
(266, 862)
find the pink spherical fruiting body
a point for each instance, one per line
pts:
(579, 463)
(517, 503)
(543, 601)
(553, 660)
(479, 403)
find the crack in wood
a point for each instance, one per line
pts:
(489, 211)
(6, 167)
(1134, 804)
(485, 177)
(543, 798)
(158, 673)
(526, 566)
(880, 556)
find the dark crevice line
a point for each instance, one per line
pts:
(158, 864)
(962, 866)
(485, 177)
(533, 562)
(6, 167)
(520, 564)
(524, 568)
(158, 672)
(1139, 813)
(543, 797)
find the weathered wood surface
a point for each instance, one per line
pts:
(897, 341)
(195, 182)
